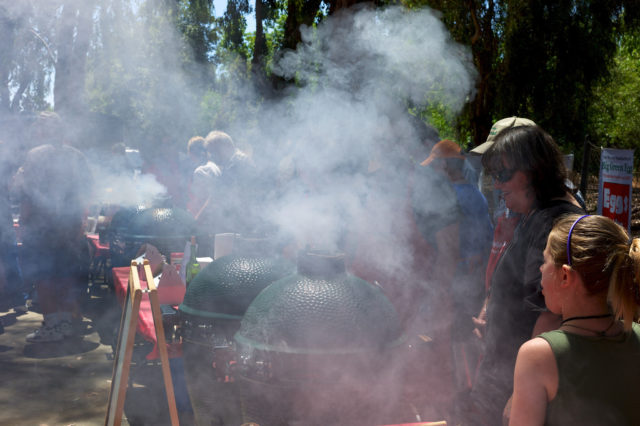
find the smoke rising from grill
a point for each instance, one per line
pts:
(127, 190)
(346, 117)
(351, 148)
(376, 54)
(336, 154)
(346, 149)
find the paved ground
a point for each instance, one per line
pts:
(68, 383)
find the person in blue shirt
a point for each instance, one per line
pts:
(469, 213)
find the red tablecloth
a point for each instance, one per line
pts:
(145, 325)
(101, 250)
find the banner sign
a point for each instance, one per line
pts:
(615, 185)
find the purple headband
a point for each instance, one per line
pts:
(569, 237)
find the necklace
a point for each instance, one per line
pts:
(585, 317)
(602, 333)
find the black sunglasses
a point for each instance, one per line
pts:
(504, 175)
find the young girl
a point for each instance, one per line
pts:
(588, 371)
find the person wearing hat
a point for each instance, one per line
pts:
(475, 233)
(505, 220)
(452, 216)
(496, 204)
(499, 126)
(475, 230)
(527, 167)
(447, 160)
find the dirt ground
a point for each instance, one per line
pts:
(68, 383)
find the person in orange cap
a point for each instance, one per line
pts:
(475, 229)
(457, 223)
(444, 149)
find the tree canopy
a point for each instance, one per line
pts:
(561, 63)
(616, 107)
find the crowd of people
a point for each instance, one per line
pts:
(523, 282)
(49, 188)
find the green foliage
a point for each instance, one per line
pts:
(553, 54)
(441, 118)
(549, 60)
(614, 114)
(197, 24)
(536, 58)
(27, 55)
(130, 75)
(274, 32)
(232, 27)
(220, 109)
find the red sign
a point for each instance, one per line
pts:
(616, 202)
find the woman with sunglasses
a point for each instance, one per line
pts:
(527, 167)
(584, 373)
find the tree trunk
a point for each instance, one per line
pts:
(335, 5)
(484, 50)
(62, 88)
(291, 33)
(74, 33)
(260, 43)
(260, 80)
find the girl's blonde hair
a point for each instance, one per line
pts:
(604, 256)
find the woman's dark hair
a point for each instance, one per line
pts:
(533, 151)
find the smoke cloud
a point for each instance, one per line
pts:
(346, 149)
(356, 73)
(336, 154)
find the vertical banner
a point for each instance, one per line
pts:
(615, 185)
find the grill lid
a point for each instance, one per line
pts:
(312, 312)
(161, 222)
(225, 288)
(122, 219)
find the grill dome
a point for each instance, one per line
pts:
(225, 288)
(321, 309)
(161, 222)
(167, 229)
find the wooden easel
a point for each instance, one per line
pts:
(126, 338)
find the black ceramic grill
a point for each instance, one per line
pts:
(213, 306)
(168, 229)
(225, 288)
(314, 347)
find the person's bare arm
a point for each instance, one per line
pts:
(480, 322)
(535, 383)
(203, 208)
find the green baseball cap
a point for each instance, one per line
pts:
(499, 126)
